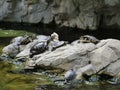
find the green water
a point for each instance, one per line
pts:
(12, 81)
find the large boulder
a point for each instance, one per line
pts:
(67, 57)
(104, 58)
(88, 58)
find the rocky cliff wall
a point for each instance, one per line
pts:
(84, 14)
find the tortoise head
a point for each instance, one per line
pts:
(54, 36)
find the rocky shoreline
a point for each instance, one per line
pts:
(90, 61)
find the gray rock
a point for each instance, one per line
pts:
(111, 2)
(26, 51)
(4, 9)
(67, 56)
(73, 13)
(87, 58)
(101, 57)
(88, 70)
(10, 50)
(17, 40)
(113, 69)
(105, 56)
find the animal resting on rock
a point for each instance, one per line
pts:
(38, 48)
(88, 39)
(50, 44)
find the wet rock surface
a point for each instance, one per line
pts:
(84, 14)
(49, 87)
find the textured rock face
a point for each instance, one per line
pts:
(104, 58)
(74, 13)
(67, 57)
(88, 58)
(11, 50)
(84, 57)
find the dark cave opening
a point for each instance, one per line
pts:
(65, 33)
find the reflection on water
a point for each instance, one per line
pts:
(12, 81)
(18, 81)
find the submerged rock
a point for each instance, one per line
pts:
(49, 87)
(114, 80)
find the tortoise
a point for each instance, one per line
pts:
(55, 42)
(27, 39)
(41, 46)
(38, 48)
(46, 43)
(88, 39)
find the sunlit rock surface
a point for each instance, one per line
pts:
(67, 57)
(104, 57)
(83, 14)
(90, 58)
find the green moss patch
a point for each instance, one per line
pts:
(14, 33)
